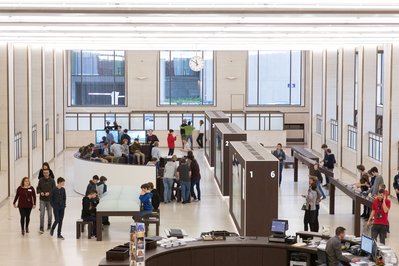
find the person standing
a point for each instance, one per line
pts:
(396, 185)
(280, 155)
(195, 176)
(125, 135)
(58, 202)
(314, 180)
(329, 163)
(334, 250)
(183, 131)
(26, 198)
(183, 173)
(151, 137)
(310, 210)
(92, 184)
(379, 212)
(376, 182)
(89, 210)
(44, 188)
(171, 142)
(45, 166)
(314, 171)
(200, 138)
(168, 179)
(189, 133)
(109, 136)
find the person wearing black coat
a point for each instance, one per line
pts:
(89, 209)
(156, 199)
(45, 166)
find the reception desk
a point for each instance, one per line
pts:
(234, 251)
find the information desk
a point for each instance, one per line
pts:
(117, 201)
(254, 251)
(302, 154)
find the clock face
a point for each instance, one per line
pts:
(196, 63)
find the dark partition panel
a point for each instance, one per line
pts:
(212, 117)
(253, 188)
(224, 134)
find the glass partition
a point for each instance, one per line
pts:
(236, 192)
(71, 121)
(97, 121)
(148, 121)
(84, 121)
(218, 157)
(252, 122)
(161, 122)
(136, 121)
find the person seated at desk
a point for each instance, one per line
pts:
(135, 151)
(89, 209)
(155, 200)
(334, 251)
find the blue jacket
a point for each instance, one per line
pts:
(145, 201)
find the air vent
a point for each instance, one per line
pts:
(253, 151)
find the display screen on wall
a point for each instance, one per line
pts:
(236, 192)
(101, 133)
(139, 134)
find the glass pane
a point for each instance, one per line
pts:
(197, 118)
(274, 77)
(175, 120)
(84, 121)
(208, 94)
(252, 96)
(136, 121)
(148, 121)
(188, 118)
(276, 122)
(161, 122)
(239, 120)
(264, 121)
(296, 88)
(252, 122)
(97, 121)
(123, 120)
(164, 69)
(98, 78)
(71, 122)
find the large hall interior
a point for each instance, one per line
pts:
(246, 75)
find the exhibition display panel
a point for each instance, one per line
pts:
(212, 117)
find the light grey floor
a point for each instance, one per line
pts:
(209, 214)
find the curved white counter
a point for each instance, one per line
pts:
(117, 174)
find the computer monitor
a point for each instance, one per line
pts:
(101, 133)
(139, 134)
(279, 227)
(366, 244)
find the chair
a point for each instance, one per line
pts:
(153, 218)
(80, 227)
(321, 257)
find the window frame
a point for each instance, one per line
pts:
(69, 100)
(302, 91)
(160, 104)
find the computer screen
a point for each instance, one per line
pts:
(101, 133)
(139, 134)
(366, 244)
(279, 226)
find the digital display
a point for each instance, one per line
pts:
(366, 244)
(279, 226)
(101, 133)
(139, 134)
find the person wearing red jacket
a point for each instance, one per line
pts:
(26, 197)
(171, 142)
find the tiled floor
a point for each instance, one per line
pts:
(209, 214)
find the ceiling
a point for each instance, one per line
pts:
(199, 25)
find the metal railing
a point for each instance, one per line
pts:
(319, 124)
(352, 137)
(375, 146)
(334, 130)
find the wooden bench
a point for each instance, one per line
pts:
(80, 227)
(153, 218)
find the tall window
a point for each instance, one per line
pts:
(47, 129)
(181, 85)
(274, 78)
(17, 145)
(34, 136)
(98, 78)
(380, 93)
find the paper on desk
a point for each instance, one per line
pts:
(346, 254)
(299, 244)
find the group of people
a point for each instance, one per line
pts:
(52, 198)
